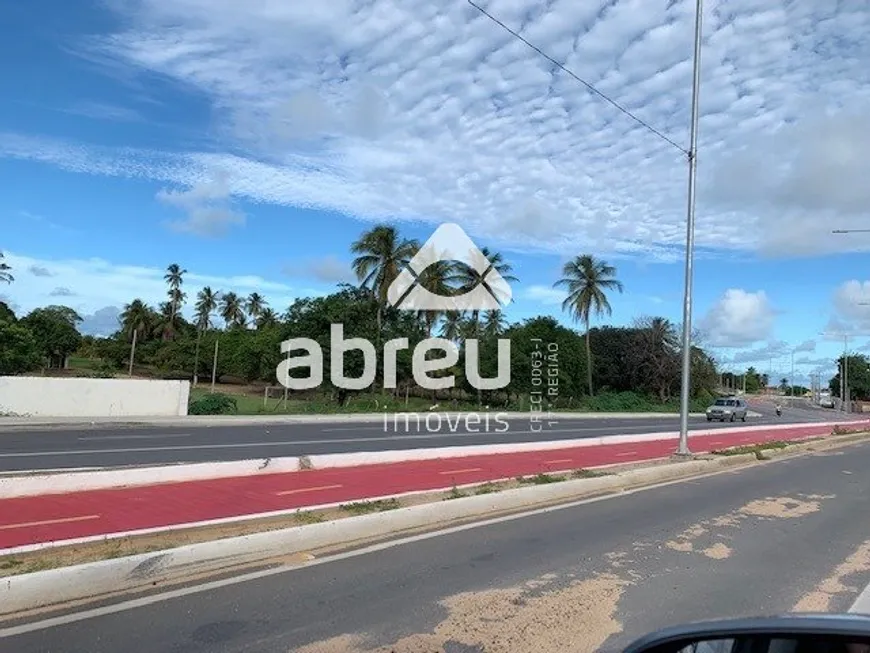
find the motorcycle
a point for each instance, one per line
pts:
(779, 411)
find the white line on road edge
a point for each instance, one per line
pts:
(862, 603)
(27, 592)
(159, 436)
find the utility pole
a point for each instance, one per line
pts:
(791, 380)
(845, 379)
(214, 363)
(686, 376)
(133, 351)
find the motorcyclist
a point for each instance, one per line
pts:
(778, 410)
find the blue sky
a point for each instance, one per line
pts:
(253, 145)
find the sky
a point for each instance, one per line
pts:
(252, 143)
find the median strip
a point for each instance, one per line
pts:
(42, 579)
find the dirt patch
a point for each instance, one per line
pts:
(677, 545)
(578, 617)
(819, 600)
(781, 508)
(718, 551)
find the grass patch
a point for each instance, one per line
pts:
(589, 473)
(455, 493)
(488, 488)
(757, 449)
(368, 507)
(250, 401)
(539, 479)
(306, 517)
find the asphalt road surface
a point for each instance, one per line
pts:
(788, 535)
(119, 446)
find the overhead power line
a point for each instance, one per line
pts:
(574, 75)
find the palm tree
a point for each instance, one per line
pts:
(174, 277)
(587, 279)
(436, 279)
(466, 278)
(267, 318)
(494, 323)
(206, 303)
(137, 316)
(231, 310)
(255, 304)
(5, 275)
(381, 254)
(454, 326)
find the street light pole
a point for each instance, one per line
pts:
(686, 376)
(846, 398)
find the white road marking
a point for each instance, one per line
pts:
(47, 522)
(462, 471)
(860, 606)
(134, 437)
(132, 604)
(308, 489)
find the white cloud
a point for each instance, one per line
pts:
(103, 322)
(851, 310)
(62, 291)
(328, 269)
(430, 111)
(40, 271)
(104, 111)
(97, 284)
(738, 319)
(207, 206)
(544, 295)
(806, 346)
(775, 349)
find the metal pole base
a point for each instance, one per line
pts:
(682, 456)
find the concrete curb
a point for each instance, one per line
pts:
(25, 423)
(98, 580)
(34, 484)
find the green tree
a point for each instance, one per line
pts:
(19, 351)
(858, 377)
(137, 317)
(267, 319)
(436, 279)
(206, 304)
(494, 323)
(381, 254)
(254, 306)
(55, 332)
(453, 326)
(467, 278)
(7, 313)
(655, 359)
(753, 380)
(174, 277)
(5, 274)
(587, 281)
(232, 310)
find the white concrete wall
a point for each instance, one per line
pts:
(51, 397)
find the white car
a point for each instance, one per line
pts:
(728, 408)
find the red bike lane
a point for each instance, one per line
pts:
(57, 517)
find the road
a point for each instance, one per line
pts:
(119, 446)
(590, 577)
